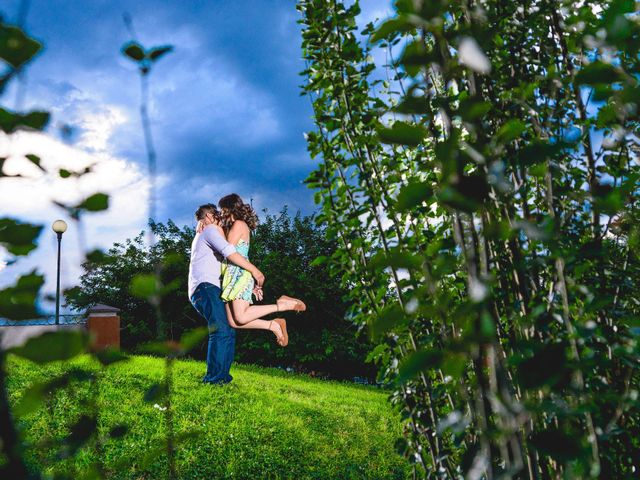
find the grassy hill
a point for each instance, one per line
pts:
(266, 424)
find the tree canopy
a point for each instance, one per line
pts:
(322, 340)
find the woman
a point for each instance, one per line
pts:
(237, 220)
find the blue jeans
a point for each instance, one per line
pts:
(222, 338)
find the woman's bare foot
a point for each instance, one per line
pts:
(290, 303)
(279, 327)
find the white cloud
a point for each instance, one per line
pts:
(30, 198)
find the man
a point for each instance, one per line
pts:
(207, 250)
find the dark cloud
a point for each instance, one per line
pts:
(226, 108)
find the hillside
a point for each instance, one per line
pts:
(266, 424)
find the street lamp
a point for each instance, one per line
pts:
(59, 226)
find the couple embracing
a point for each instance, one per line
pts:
(222, 282)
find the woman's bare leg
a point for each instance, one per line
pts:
(258, 324)
(244, 312)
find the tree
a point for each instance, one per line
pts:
(284, 248)
(489, 175)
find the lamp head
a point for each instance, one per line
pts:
(59, 226)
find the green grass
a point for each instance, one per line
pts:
(265, 424)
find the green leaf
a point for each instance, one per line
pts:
(546, 367)
(95, 203)
(118, 431)
(17, 237)
(155, 393)
(144, 285)
(471, 109)
(511, 130)
(466, 193)
(34, 396)
(321, 260)
(18, 302)
(53, 346)
(403, 133)
(12, 121)
(390, 318)
(412, 195)
(157, 52)
(454, 365)
(416, 55)
(134, 51)
(396, 258)
(168, 348)
(64, 173)
(557, 444)
(417, 362)
(109, 355)
(191, 339)
(16, 48)
(599, 72)
(35, 160)
(80, 432)
(388, 28)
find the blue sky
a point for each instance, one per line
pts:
(227, 115)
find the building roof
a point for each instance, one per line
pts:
(101, 308)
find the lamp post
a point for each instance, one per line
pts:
(59, 226)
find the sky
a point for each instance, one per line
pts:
(226, 113)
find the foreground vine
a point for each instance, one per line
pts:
(486, 199)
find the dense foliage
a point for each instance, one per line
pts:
(284, 248)
(484, 191)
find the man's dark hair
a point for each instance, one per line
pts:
(206, 208)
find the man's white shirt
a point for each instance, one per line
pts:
(207, 251)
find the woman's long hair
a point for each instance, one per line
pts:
(233, 208)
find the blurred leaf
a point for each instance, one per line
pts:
(403, 133)
(546, 367)
(511, 130)
(557, 444)
(118, 431)
(95, 203)
(396, 258)
(417, 362)
(144, 285)
(18, 302)
(35, 160)
(321, 260)
(155, 393)
(53, 346)
(109, 355)
(16, 48)
(11, 121)
(390, 318)
(64, 173)
(33, 397)
(466, 192)
(389, 27)
(412, 195)
(166, 348)
(471, 109)
(17, 237)
(193, 338)
(599, 72)
(454, 365)
(81, 432)
(134, 51)
(157, 52)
